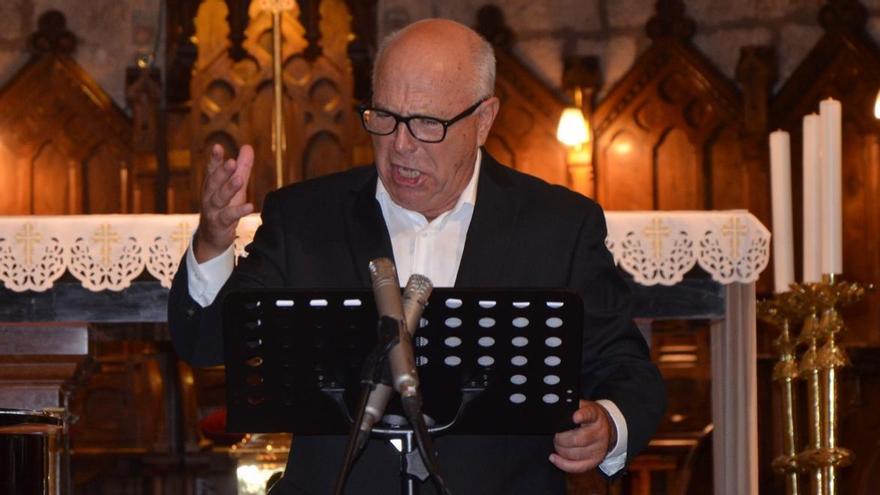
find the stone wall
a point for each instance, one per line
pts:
(613, 30)
(110, 35)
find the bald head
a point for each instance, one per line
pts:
(443, 49)
(435, 75)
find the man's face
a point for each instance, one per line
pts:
(427, 177)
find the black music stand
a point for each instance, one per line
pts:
(489, 362)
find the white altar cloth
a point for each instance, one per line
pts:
(107, 252)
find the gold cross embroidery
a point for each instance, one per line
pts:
(735, 230)
(181, 237)
(276, 6)
(657, 231)
(106, 237)
(28, 237)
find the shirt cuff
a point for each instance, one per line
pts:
(206, 279)
(616, 459)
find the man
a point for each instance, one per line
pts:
(442, 207)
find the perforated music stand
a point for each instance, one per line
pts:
(489, 361)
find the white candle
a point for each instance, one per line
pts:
(780, 181)
(831, 213)
(812, 195)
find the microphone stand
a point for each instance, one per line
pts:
(388, 337)
(397, 324)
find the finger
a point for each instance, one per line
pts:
(231, 214)
(571, 465)
(588, 413)
(592, 453)
(222, 197)
(243, 171)
(216, 158)
(216, 180)
(577, 438)
(245, 155)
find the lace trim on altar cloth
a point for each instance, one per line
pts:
(661, 247)
(107, 252)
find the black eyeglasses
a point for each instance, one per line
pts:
(422, 127)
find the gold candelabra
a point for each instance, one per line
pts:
(816, 307)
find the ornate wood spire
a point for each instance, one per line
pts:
(52, 35)
(845, 15)
(670, 21)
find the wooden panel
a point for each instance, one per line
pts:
(524, 134)
(64, 132)
(49, 186)
(659, 129)
(631, 158)
(679, 175)
(232, 101)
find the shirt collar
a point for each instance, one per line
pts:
(468, 196)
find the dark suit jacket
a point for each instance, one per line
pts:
(524, 233)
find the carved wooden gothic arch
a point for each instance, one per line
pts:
(524, 134)
(669, 135)
(65, 147)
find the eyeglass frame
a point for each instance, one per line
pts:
(363, 108)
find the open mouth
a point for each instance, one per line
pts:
(406, 176)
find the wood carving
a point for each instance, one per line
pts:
(128, 377)
(524, 134)
(668, 135)
(65, 147)
(232, 101)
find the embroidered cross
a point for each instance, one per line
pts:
(181, 236)
(28, 237)
(276, 6)
(656, 232)
(106, 237)
(735, 230)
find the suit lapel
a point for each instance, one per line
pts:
(491, 229)
(366, 229)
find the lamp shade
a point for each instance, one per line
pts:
(573, 129)
(877, 106)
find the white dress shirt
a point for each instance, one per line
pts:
(432, 249)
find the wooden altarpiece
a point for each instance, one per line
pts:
(232, 100)
(66, 147)
(673, 133)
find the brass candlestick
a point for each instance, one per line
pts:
(778, 312)
(820, 366)
(809, 371)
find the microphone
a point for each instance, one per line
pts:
(415, 298)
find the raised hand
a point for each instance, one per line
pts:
(224, 195)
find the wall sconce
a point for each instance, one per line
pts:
(573, 130)
(877, 106)
(580, 77)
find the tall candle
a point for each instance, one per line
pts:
(780, 181)
(812, 195)
(830, 213)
